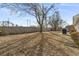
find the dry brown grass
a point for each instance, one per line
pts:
(38, 44)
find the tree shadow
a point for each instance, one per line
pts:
(71, 44)
(54, 47)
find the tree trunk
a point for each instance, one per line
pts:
(54, 28)
(41, 28)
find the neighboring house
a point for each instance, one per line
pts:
(70, 28)
(76, 22)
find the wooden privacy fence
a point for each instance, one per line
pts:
(17, 30)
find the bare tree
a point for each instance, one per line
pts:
(55, 21)
(39, 11)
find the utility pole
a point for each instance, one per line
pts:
(27, 22)
(30, 22)
(8, 22)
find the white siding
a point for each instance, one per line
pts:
(76, 22)
(77, 27)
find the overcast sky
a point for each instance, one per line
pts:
(67, 11)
